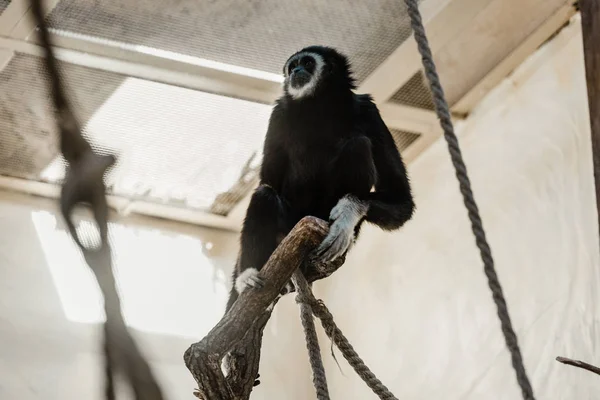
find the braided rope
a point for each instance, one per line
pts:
(312, 341)
(443, 112)
(307, 299)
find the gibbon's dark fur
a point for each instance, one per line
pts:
(318, 149)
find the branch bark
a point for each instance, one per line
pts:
(579, 364)
(240, 330)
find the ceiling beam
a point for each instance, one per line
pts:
(514, 59)
(11, 16)
(125, 206)
(26, 26)
(17, 21)
(489, 39)
(411, 119)
(190, 72)
(441, 24)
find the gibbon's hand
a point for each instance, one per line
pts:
(343, 219)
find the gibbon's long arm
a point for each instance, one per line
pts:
(391, 204)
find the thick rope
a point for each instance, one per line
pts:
(312, 342)
(443, 112)
(306, 297)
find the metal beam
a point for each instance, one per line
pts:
(126, 206)
(442, 25)
(154, 68)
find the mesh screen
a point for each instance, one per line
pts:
(258, 34)
(175, 145)
(415, 93)
(3, 5)
(403, 139)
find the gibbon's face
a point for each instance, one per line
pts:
(302, 72)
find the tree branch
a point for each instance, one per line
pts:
(240, 330)
(578, 364)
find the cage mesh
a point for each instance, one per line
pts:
(175, 145)
(258, 34)
(415, 93)
(3, 5)
(404, 139)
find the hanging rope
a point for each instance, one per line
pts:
(312, 341)
(443, 112)
(306, 298)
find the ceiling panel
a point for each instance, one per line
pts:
(176, 146)
(415, 93)
(257, 34)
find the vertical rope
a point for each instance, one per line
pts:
(443, 112)
(312, 342)
(306, 298)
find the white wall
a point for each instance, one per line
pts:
(416, 304)
(174, 281)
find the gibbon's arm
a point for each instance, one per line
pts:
(391, 204)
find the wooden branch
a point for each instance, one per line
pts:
(240, 330)
(578, 364)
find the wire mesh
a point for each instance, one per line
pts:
(258, 34)
(404, 139)
(175, 145)
(415, 93)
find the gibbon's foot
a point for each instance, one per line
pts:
(249, 278)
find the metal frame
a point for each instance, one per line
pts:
(126, 206)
